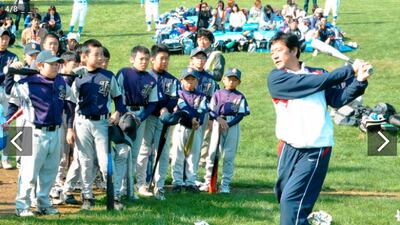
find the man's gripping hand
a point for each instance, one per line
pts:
(361, 68)
(114, 119)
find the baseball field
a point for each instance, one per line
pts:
(358, 190)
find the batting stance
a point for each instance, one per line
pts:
(79, 11)
(42, 97)
(301, 96)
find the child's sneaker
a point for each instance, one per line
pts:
(225, 190)
(159, 194)
(177, 188)
(6, 164)
(48, 211)
(24, 212)
(204, 187)
(118, 205)
(193, 189)
(70, 199)
(144, 192)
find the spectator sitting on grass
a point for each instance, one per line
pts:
(52, 19)
(27, 22)
(237, 19)
(268, 19)
(218, 17)
(255, 14)
(324, 34)
(290, 9)
(318, 14)
(9, 25)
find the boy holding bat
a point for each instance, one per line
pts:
(228, 107)
(185, 147)
(301, 96)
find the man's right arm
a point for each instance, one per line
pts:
(285, 85)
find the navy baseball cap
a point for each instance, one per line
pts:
(47, 57)
(188, 72)
(4, 32)
(31, 48)
(233, 72)
(198, 51)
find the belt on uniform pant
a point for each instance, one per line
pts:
(47, 127)
(97, 117)
(134, 108)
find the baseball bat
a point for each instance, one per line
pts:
(17, 114)
(189, 143)
(28, 72)
(110, 183)
(330, 50)
(159, 152)
(212, 188)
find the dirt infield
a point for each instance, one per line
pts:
(8, 187)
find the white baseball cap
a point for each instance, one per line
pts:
(74, 36)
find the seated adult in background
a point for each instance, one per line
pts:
(255, 12)
(33, 33)
(290, 9)
(268, 19)
(228, 10)
(52, 19)
(218, 17)
(316, 18)
(9, 25)
(27, 22)
(294, 29)
(237, 19)
(324, 34)
(204, 16)
(3, 13)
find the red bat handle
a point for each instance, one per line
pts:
(15, 116)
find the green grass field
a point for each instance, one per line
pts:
(120, 25)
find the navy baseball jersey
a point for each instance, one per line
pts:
(193, 102)
(42, 99)
(168, 87)
(6, 58)
(139, 89)
(207, 84)
(95, 91)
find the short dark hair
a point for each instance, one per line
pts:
(35, 16)
(90, 43)
(156, 49)
(51, 35)
(205, 33)
(290, 40)
(70, 56)
(106, 53)
(139, 48)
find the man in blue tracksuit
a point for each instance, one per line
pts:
(301, 96)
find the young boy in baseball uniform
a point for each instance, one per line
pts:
(228, 107)
(31, 93)
(79, 12)
(168, 87)
(71, 61)
(94, 93)
(140, 94)
(186, 148)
